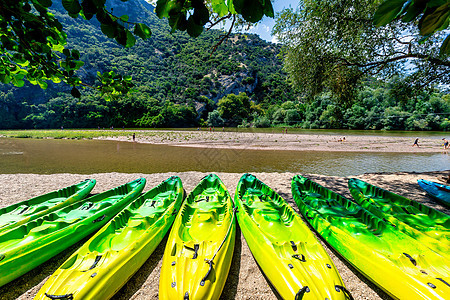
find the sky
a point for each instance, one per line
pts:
(264, 28)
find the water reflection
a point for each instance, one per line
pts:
(87, 156)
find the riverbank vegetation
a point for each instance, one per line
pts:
(181, 82)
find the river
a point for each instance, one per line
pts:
(49, 156)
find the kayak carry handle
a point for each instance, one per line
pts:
(301, 292)
(338, 288)
(210, 263)
(62, 297)
(303, 259)
(23, 210)
(97, 259)
(413, 261)
(440, 279)
(294, 246)
(195, 249)
(99, 219)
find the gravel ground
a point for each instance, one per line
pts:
(245, 280)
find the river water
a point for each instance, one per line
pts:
(49, 156)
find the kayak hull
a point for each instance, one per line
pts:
(200, 246)
(25, 211)
(437, 191)
(397, 263)
(107, 260)
(288, 253)
(29, 245)
(425, 224)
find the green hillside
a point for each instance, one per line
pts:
(180, 82)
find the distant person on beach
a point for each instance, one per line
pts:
(445, 143)
(416, 142)
(134, 137)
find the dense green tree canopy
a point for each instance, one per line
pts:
(430, 15)
(332, 45)
(33, 45)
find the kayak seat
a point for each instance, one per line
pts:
(205, 216)
(43, 229)
(21, 209)
(262, 215)
(103, 204)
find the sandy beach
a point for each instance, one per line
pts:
(245, 280)
(279, 141)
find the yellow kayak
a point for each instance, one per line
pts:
(106, 261)
(200, 246)
(288, 253)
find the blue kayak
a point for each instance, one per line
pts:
(438, 191)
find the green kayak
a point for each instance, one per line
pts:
(394, 261)
(106, 261)
(29, 245)
(22, 212)
(427, 225)
(288, 253)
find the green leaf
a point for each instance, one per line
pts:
(251, 10)
(124, 18)
(387, 12)
(162, 8)
(75, 92)
(219, 7)
(131, 40)
(76, 54)
(43, 84)
(142, 31)
(231, 8)
(432, 22)
(193, 29)
(45, 3)
(89, 9)
(98, 3)
(72, 6)
(445, 47)
(268, 9)
(121, 36)
(201, 15)
(435, 3)
(110, 30)
(411, 13)
(78, 64)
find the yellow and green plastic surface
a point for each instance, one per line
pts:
(200, 246)
(29, 245)
(24, 211)
(399, 264)
(106, 261)
(288, 253)
(425, 224)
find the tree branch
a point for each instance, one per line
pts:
(224, 37)
(218, 21)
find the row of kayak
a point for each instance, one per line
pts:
(399, 244)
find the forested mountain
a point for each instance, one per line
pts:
(181, 82)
